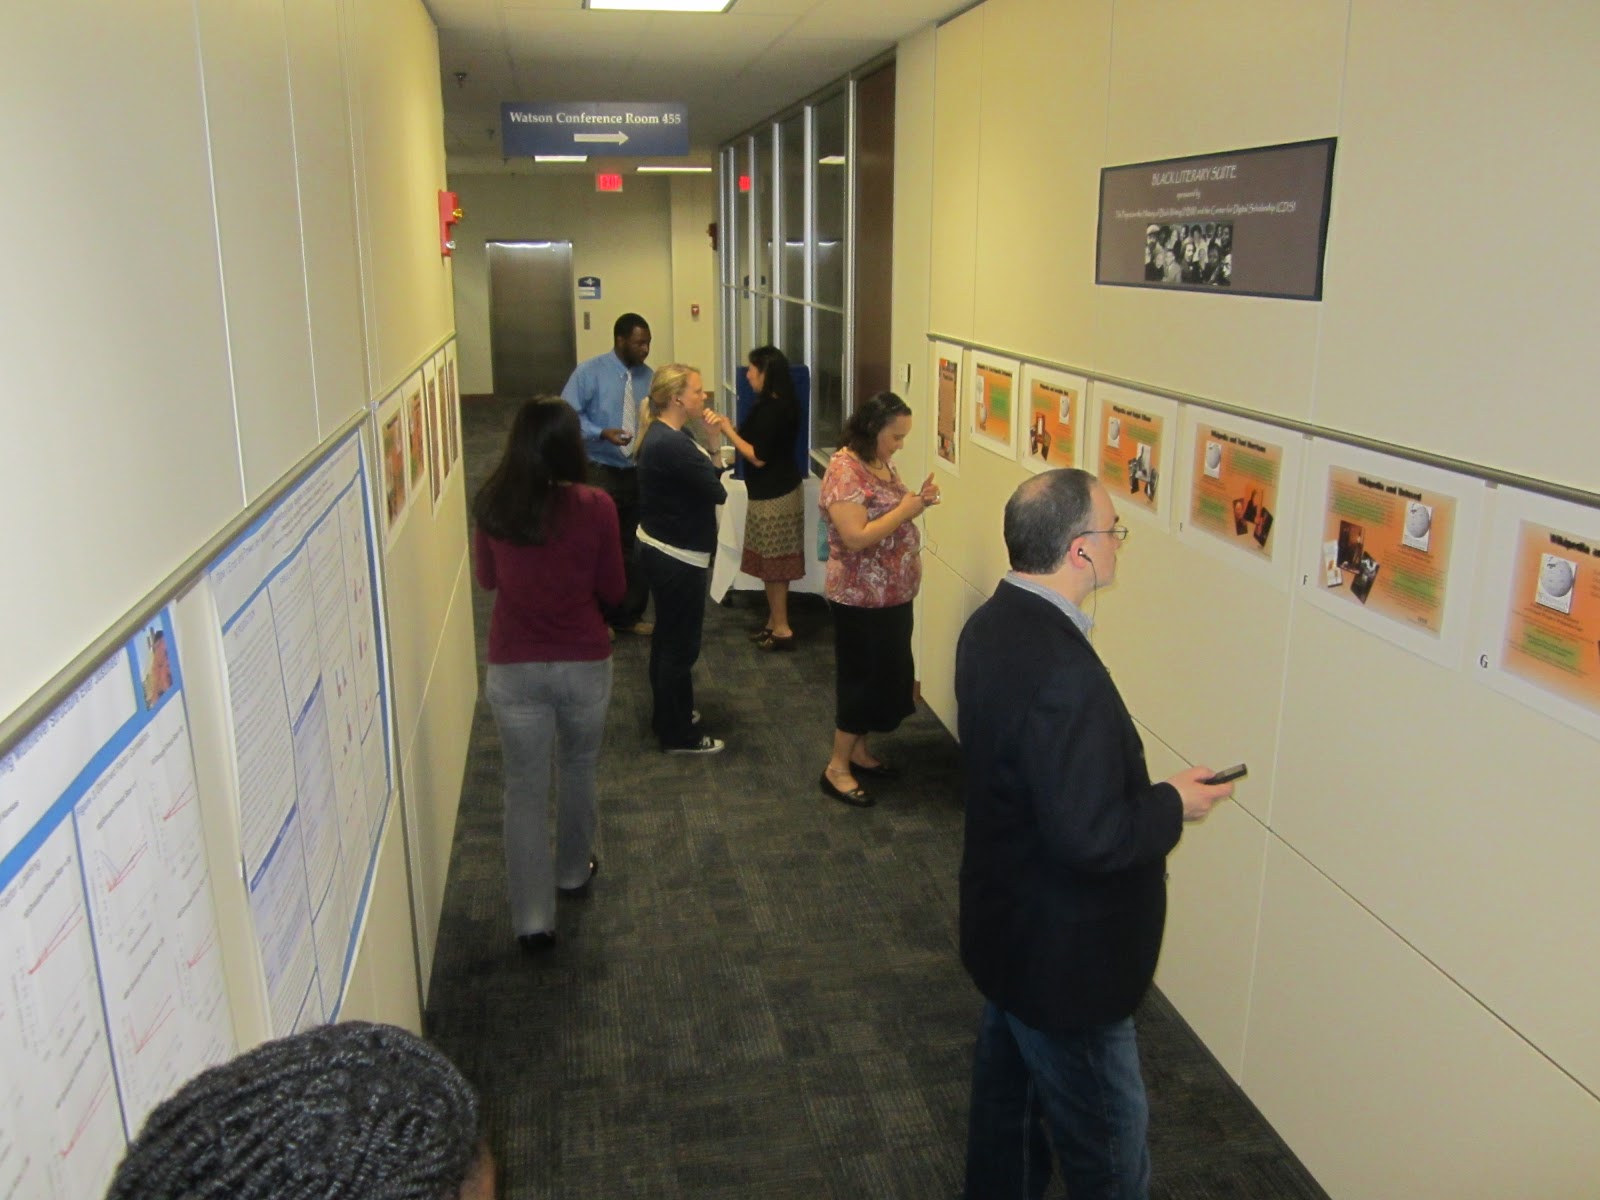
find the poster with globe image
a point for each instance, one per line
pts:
(1546, 649)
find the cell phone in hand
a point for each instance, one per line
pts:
(1228, 775)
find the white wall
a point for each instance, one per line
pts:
(226, 246)
(1388, 939)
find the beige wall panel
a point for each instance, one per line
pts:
(394, 72)
(1045, 69)
(244, 55)
(1499, 105)
(694, 277)
(1385, 1078)
(1198, 651)
(1258, 354)
(957, 119)
(435, 760)
(967, 528)
(946, 603)
(328, 209)
(1454, 815)
(1214, 880)
(386, 962)
(120, 432)
(1281, 84)
(1267, 73)
(626, 239)
(913, 225)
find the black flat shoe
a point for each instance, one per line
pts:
(536, 943)
(771, 641)
(882, 771)
(855, 797)
(582, 890)
(757, 635)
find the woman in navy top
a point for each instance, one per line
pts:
(547, 545)
(679, 490)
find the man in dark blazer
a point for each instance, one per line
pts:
(1063, 871)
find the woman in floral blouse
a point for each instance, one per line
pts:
(873, 575)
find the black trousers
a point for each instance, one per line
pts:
(622, 485)
(680, 592)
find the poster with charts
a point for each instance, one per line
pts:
(946, 423)
(1538, 633)
(111, 986)
(299, 629)
(1134, 433)
(1239, 481)
(1052, 417)
(992, 388)
(1389, 547)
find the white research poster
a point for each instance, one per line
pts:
(111, 986)
(299, 632)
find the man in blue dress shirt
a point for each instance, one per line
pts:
(607, 391)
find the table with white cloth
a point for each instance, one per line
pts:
(725, 572)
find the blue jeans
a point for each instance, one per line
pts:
(548, 713)
(1080, 1093)
(680, 592)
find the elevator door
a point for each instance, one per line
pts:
(532, 341)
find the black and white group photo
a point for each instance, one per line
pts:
(1189, 254)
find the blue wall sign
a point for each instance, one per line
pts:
(588, 287)
(594, 127)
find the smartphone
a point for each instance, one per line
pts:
(1228, 775)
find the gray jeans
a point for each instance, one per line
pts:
(548, 713)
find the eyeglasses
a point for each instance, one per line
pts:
(1120, 532)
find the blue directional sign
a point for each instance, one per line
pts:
(594, 127)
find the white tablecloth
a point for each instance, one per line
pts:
(725, 571)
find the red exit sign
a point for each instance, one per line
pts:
(607, 183)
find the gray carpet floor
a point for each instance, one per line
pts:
(761, 998)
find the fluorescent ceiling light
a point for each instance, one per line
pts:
(831, 160)
(686, 6)
(560, 158)
(673, 170)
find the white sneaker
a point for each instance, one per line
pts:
(694, 716)
(706, 745)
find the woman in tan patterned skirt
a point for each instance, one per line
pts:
(775, 522)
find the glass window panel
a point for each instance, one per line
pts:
(832, 176)
(827, 379)
(739, 225)
(741, 327)
(792, 229)
(728, 187)
(792, 330)
(761, 176)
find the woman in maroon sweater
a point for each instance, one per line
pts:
(547, 545)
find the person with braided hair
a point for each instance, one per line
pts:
(338, 1112)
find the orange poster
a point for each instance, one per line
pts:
(416, 440)
(1553, 628)
(1130, 448)
(1386, 546)
(947, 368)
(1053, 413)
(1235, 490)
(394, 468)
(994, 387)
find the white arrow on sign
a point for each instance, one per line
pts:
(619, 137)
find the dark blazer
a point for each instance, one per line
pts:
(1063, 870)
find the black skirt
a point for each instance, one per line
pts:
(873, 672)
